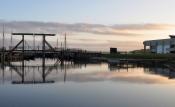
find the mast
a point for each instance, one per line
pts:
(65, 42)
(33, 42)
(57, 42)
(3, 55)
(61, 46)
(3, 37)
(11, 41)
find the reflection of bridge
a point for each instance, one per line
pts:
(20, 70)
(55, 66)
(24, 71)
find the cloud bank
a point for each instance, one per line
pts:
(100, 29)
(93, 36)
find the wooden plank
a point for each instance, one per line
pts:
(36, 34)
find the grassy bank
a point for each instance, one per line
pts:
(141, 56)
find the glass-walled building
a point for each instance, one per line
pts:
(161, 46)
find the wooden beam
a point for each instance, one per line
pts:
(36, 34)
(16, 46)
(49, 46)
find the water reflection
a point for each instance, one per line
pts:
(52, 70)
(153, 69)
(85, 85)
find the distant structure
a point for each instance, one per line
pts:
(113, 50)
(162, 46)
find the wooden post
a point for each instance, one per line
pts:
(44, 46)
(3, 55)
(23, 45)
(34, 42)
(57, 43)
(65, 42)
(43, 59)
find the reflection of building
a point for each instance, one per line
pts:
(162, 46)
(161, 71)
(150, 69)
(121, 66)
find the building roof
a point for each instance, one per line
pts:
(172, 36)
(159, 42)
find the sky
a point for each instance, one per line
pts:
(92, 24)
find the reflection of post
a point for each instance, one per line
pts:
(65, 72)
(43, 70)
(127, 66)
(11, 74)
(22, 71)
(33, 74)
(3, 74)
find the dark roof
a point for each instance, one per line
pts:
(172, 36)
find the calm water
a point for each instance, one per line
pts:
(85, 85)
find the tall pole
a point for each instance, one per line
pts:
(3, 55)
(3, 37)
(65, 42)
(61, 45)
(57, 48)
(23, 45)
(11, 40)
(33, 42)
(57, 42)
(11, 46)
